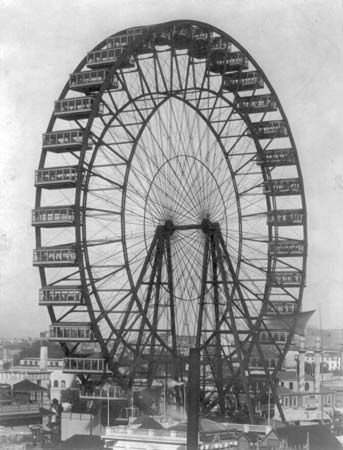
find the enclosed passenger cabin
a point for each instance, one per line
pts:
(126, 38)
(277, 157)
(103, 58)
(256, 104)
(269, 129)
(132, 37)
(200, 45)
(143, 47)
(91, 80)
(76, 108)
(71, 332)
(286, 217)
(85, 365)
(62, 256)
(105, 392)
(286, 278)
(63, 141)
(56, 177)
(286, 247)
(277, 337)
(221, 61)
(162, 37)
(182, 37)
(281, 307)
(284, 186)
(221, 45)
(53, 216)
(243, 81)
(60, 296)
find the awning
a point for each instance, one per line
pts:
(285, 322)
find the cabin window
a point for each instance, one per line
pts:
(80, 364)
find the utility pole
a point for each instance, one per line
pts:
(268, 406)
(193, 399)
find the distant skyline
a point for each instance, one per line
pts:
(297, 43)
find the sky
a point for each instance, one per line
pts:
(299, 45)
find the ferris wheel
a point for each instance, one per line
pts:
(170, 213)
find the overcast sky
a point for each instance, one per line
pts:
(298, 44)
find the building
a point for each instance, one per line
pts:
(16, 374)
(52, 363)
(330, 359)
(305, 397)
(58, 382)
(36, 373)
(27, 392)
(79, 424)
(79, 441)
(43, 371)
(18, 414)
(309, 437)
(153, 436)
(7, 353)
(24, 403)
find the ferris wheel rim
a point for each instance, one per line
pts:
(89, 124)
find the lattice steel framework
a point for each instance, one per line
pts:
(181, 218)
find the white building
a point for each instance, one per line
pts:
(331, 359)
(44, 371)
(58, 382)
(299, 391)
(53, 363)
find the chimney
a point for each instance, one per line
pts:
(302, 365)
(317, 358)
(43, 361)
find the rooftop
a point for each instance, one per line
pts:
(81, 442)
(27, 386)
(290, 375)
(318, 437)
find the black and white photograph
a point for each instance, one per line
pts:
(171, 250)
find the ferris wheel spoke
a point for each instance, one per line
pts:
(181, 145)
(192, 145)
(101, 142)
(161, 72)
(174, 57)
(182, 185)
(251, 179)
(161, 189)
(248, 190)
(111, 308)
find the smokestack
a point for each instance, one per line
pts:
(317, 365)
(43, 361)
(302, 365)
